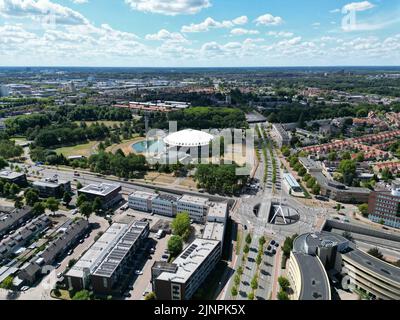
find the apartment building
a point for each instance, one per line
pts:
(11, 218)
(102, 265)
(181, 279)
(280, 135)
(384, 206)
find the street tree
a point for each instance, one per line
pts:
(86, 209)
(181, 224)
(52, 204)
(175, 245)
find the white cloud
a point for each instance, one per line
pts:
(41, 10)
(80, 1)
(168, 7)
(335, 11)
(210, 23)
(242, 31)
(282, 34)
(358, 6)
(165, 35)
(269, 20)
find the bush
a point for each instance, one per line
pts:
(282, 295)
(284, 283)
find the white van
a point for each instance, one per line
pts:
(160, 234)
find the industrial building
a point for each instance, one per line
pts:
(291, 184)
(384, 207)
(52, 187)
(109, 194)
(102, 266)
(181, 279)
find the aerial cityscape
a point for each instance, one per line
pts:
(243, 154)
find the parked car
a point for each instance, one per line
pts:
(70, 252)
(138, 272)
(272, 242)
(24, 288)
(59, 275)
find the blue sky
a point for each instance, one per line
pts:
(199, 32)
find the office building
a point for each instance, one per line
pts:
(18, 178)
(109, 194)
(52, 187)
(102, 265)
(197, 207)
(166, 205)
(181, 279)
(142, 201)
(218, 212)
(384, 207)
(319, 259)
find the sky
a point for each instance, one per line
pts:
(199, 33)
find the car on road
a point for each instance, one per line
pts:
(81, 241)
(74, 211)
(138, 272)
(58, 265)
(59, 275)
(70, 252)
(152, 250)
(24, 288)
(145, 293)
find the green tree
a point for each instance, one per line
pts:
(81, 199)
(246, 249)
(240, 270)
(31, 197)
(79, 185)
(82, 295)
(181, 224)
(52, 204)
(316, 189)
(175, 245)
(259, 259)
(250, 296)
(67, 198)
(234, 291)
(375, 252)
(150, 296)
(262, 241)
(38, 208)
(254, 283)
(284, 283)
(86, 209)
(14, 189)
(8, 283)
(348, 169)
(18, 204)
(248, 238)
(236, 280)
(97, 205)
(3, 163)
(363, 208)
(282, 295)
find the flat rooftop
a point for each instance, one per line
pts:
(190, 260)
(218, 210)
(376, 265)
(314, 279)
(291, 180)
(5, 174)
(310, 164)
(168, 197)
(102, 189)
(121, 248)
(193, 199)
(214, 231)
(144, 195)
(96, 253)
(50, 182)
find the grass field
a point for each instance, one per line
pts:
(78, 150)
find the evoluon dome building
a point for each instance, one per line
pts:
(187, 145)
(188, 138)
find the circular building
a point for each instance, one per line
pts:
(188, 138)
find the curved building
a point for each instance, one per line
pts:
(321, 259)
(188, 138)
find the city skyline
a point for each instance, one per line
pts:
(202, 33)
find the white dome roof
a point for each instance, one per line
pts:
(188, 138)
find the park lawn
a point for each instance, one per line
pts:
(105, 122)
(78, 150)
